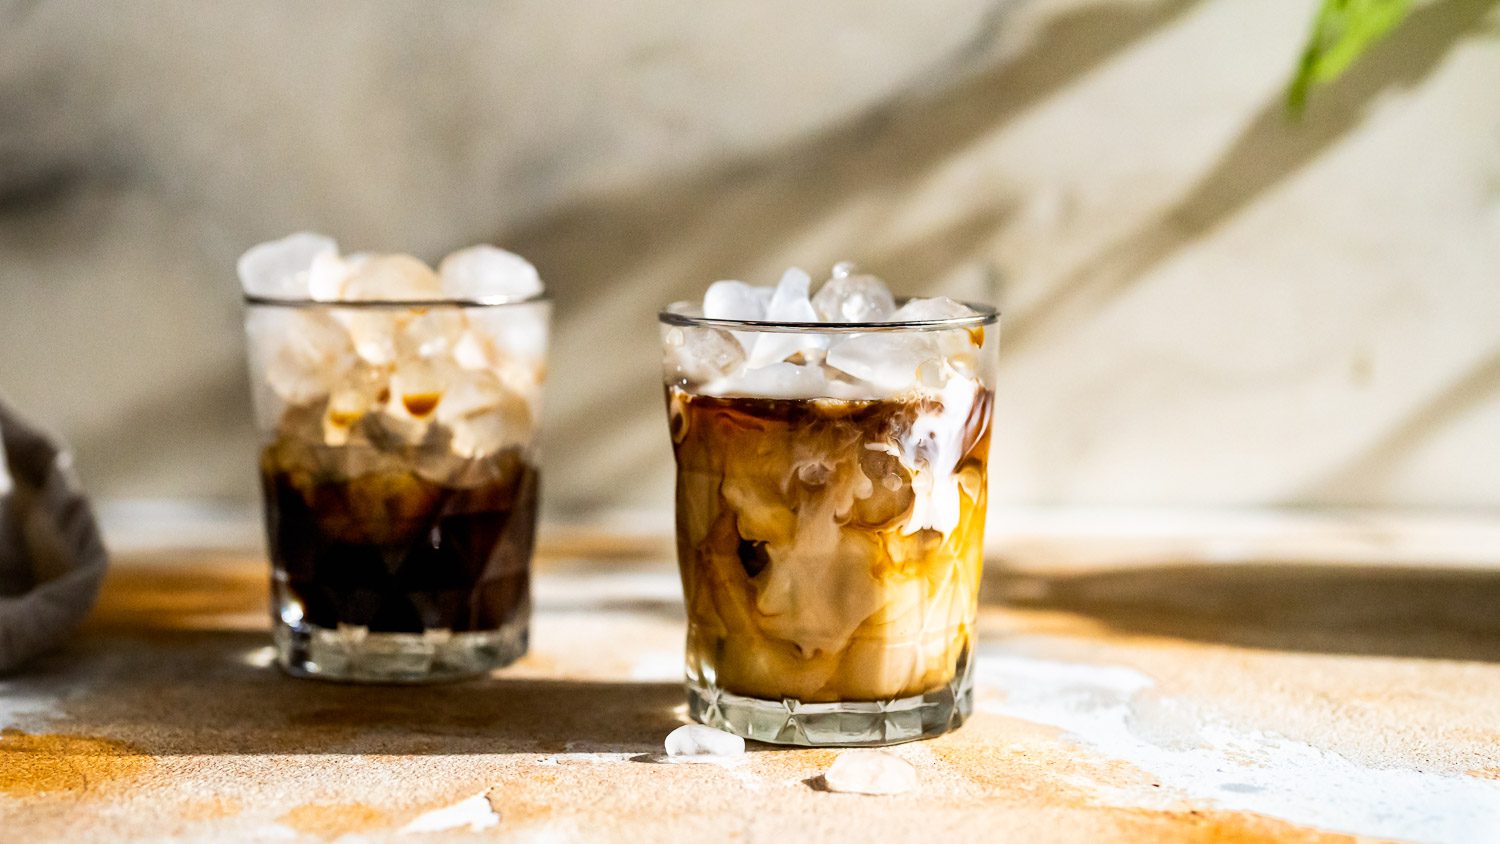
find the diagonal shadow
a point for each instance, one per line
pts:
(658, 242)
(1380, 610)
(1364, 470)
(1266, 153)
(173, 662)
(598, 253)
(727, 216)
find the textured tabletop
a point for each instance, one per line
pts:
(1306, 686)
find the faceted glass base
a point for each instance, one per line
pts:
(354, 654)
(843, 724)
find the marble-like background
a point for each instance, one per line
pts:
(1205, 304)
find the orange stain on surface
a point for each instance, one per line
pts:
(53, 764)
(210, 810)
(330, 820)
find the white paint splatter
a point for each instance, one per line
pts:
(474, 814)
(1112, 709)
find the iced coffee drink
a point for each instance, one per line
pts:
(831, 482)
(399, 408)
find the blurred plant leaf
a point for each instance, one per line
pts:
(1342, 31)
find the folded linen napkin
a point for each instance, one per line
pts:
(51, 556)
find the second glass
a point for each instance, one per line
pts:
(400, 481)
(829, 530)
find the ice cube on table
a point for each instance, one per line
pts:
(789, 303)
(870, 772)
(701, 743)
(853, 298)
(390, 278)
(279, 268)
(485, 271)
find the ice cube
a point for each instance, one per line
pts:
(361, 389)
(957, 346)
(704, 354)
(373, 332)
(736, 300)
(515, 332)
(311, 351)
(473, 351)
(418, 386)
(326, 276)
(433, 332)
(482, 414)
(279, 268)
(870, 772)
(485, 271)
(939, 307)
(789, 303)
(778, 380)
(700, 743)
(853, 298)
(390, 278)
(887, 360)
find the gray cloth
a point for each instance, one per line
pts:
(51, 556)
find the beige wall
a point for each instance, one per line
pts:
(1204, 304)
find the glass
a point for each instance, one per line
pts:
(830, 547)
(399, 477)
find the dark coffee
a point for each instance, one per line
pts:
(394, 552)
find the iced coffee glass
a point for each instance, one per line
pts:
(831, 482)
(398, 408)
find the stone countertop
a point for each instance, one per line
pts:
(1298, 685)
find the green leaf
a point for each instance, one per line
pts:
(1342, 31)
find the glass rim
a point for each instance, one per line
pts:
(984, 315)
(448, 301)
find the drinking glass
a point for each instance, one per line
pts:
(398, 467)
(830, 530)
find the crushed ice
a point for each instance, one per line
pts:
(399, 374)
(943, 365)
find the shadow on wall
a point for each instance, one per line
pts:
(664, 239)
(1345, 609)
(727, 218)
